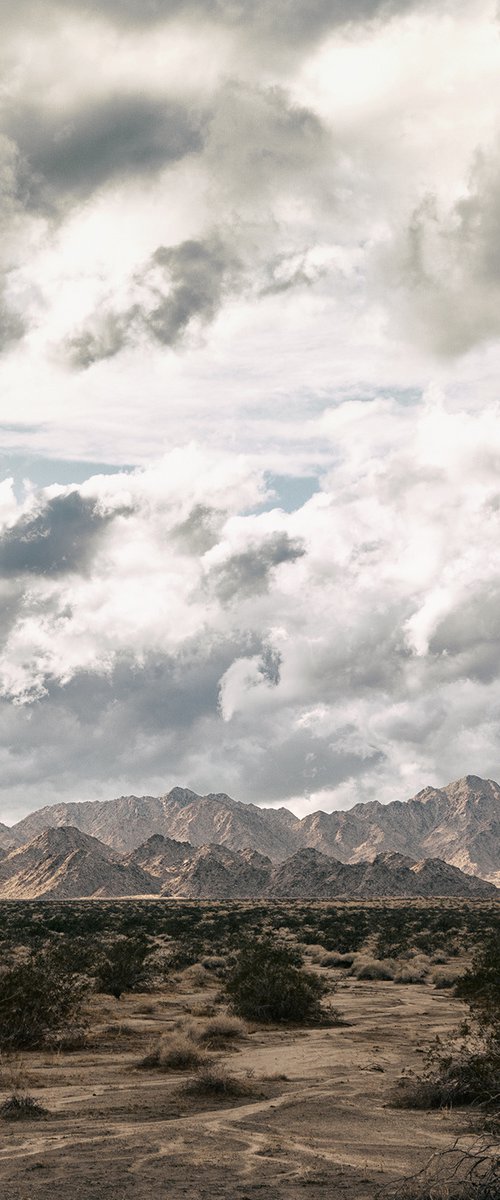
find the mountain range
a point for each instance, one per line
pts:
(459, 823)
(64, 863)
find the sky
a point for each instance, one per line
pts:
(249, 402)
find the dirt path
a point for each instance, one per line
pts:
(326, 1131)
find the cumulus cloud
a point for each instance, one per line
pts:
(341, 648)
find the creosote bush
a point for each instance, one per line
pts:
(124, 967)
(269, 983)
(38, 1002)
(20, 1107)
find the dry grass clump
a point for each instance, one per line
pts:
(446, 979)
(174, 1053)
(197, 976)
(222, 1030)
(21, 1107)
(372, 968)
(414, 971)
(333, 958)
(315, 952)
(214, 1080)
(214, 962)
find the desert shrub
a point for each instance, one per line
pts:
(20, 1107)
(124, 967)
(197, 976)
(411, 972)
(214, 1080)
(468, 1072)
(333, 959)
(372, 968)
(445, 979)
(269, 983)
(37, 1002)
(461, 1074)
(221, 1030)
(480, 988)
(174, 1053)
(214, 962)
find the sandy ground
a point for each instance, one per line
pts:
(119, 1133)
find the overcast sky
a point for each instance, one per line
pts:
(250, 422)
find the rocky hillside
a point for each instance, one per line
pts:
(182, 815)
(65, 863)
(459, 823)
(6, 838)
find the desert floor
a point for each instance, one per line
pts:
(325, 1129)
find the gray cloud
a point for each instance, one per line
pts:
(71, 154)
(468, 638)
(444, 272)
(183, 283)
(287, 21)
(61, 537)
(200, 530)
(249, 573)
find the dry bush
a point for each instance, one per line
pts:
(21, 1107)
(414, 971)
(214, 963)
(333, 958)
(222, 1030)
(196, 976)
(372, 968)
(445, 979)
(316, 952)
(214, 1080)
(464, 1171)
(174, 1053)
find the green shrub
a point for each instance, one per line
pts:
(268, 983)
(124, 967)
(38, 1001)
